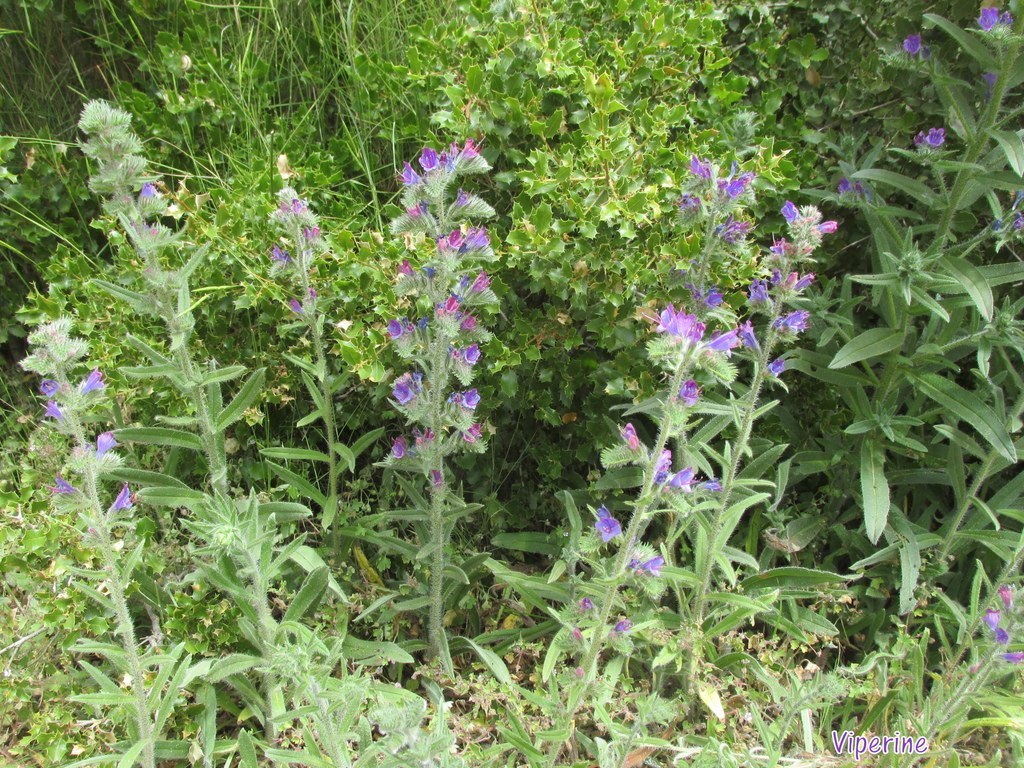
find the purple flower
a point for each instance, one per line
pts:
(758, 292)
(746, 333)
(844, 186)
(780, 247)
(794, 322)
(623, 626)
(992, 618)
(311, 233)
(713, 298)
(471, 354)
(405, 268)
(732, 231)
(406, 387)
(652, 566)
(803, 282)
(629, 435)
(700, 168)
(1007, 596)
(789, 212)
(48, 387)
(296, 306)
(399, 447)
(933, 139)
(990, 83)
(682, 480)
(481, 283)
(607, 525)
(688, 203)
(1016, 657)
(148, 191)
(476, 237)
(474, 433)
(828, 227)
(62, 486)
(123, 500)
(724, 341)
(280, 256)
(912, 44)
(397, 328)
(428, 159)
(990, 17)
(734, 187)
(104, 442)
(54, 411)
(586, 604)
(1002, 636)
(468, 323)
(462, 199)
(689, 392)
(711, 484)
(776, 367)
(680, 324)
(92, 382)
(436, 478)
(469, 149)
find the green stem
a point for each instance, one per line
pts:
(438, 386)
(211, 437)
(125, 626)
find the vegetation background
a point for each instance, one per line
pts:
(592, 110)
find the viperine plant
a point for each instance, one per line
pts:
(694, 490)
(109, 527)
(131, 195)
(926, 357)
(441, 338)
(305, 247)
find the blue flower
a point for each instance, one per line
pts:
(623, 626)
(912, 44)
(54, 411)
(607, 525)
(794, 322)
(700, 168)
(123, 500)
(746, 333)
(62, 486)
(409, 176)
(776, 367)
(689, 392)
(92, 382)
(104, 443)
(789, 212)
(724, 341)
(758, 292)
(428, 159)
(48, 387)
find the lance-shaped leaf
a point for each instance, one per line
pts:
(246, 397)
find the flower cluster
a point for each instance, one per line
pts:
(450, 291)
(55, 355)
(712, 193)
(299, 231)
(931, 140)
(993, 620)
(992, 20)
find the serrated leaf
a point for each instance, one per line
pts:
(871, 343)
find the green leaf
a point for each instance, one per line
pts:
(133, 298)
(910, 563)
(780, 578)
(169, 438)
(144, 478)
(246, 750)
(872, 343)
(286, 511)
(490, 659)
(966, 406)
(1013, 147)
(308, 559)
(973, 282)
(299, 483)
(172, 497)
(969, 43)
(309, 595)
(365, 441)
(912, 187)
(246, 397)
(525, 541)
(295, 454)
(222, 374)
(347, 455)
(874, 489)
